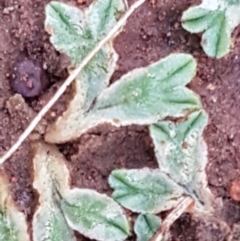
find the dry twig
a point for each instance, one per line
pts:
(69, 80)
(181, 207)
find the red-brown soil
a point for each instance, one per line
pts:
(153, 32)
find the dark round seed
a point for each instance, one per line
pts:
(28, 78)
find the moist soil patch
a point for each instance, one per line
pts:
(152, 32)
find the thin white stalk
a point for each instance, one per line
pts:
(69, 80)
(181, 207)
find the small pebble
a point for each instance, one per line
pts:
(8, 10)
(81, 1)
(28, 78)
(234, 190)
